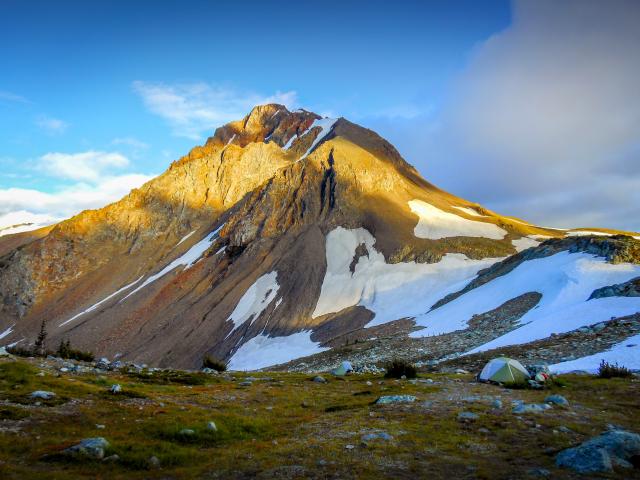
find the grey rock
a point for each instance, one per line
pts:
(154, 461)
(468, 416)
(319, 379)
(557, 400)
(187, 432)
(44, 395)
(245, 384)
(497, 403)
(116, 388)
(112, 458)
(388, 399)
(599, 454)
(370, 437)
(211, 426)
(89, 447)
(531, 408)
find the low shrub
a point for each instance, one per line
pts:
(398, 368)
(613, 370)
(66, 351)
(218, 365)
(19, 351)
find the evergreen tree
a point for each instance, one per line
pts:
(40, 345)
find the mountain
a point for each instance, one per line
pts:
(287, 234)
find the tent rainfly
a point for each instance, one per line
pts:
(504, 370)
(343, 369)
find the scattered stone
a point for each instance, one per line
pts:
(187, 432)
(461, 371)
(40, 374)
(531, 408)
(497, 403)
(349, 447)
(387, 399)
(319, 379)
(89, 447)
(154, 462)
(100, 426)
(601, 453)
(467, 416)
(540, 472)
(111, 458)
(116, 388)
(370, 437)
(369, 383)
(44, 395)
(3, 352)
(245, 384)
(211, 426)
(557, 400)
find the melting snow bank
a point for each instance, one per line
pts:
(188, 259)
(263, 351)
(391, 291)
(625, 354)
(255, 299)
(565, 280)
(469, 211)
(582, 233)
(96, 305)
(435, 224)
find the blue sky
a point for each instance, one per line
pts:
(96, 97)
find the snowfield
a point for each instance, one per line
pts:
(436, 224)
(263, 351)
(7, 331)
(469, 211)
(257, 297)
(582, 233)
(391, 291)
(525, 242)
(565, 280)
(626, 354)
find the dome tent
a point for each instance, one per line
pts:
(503, 370)
(343, 369)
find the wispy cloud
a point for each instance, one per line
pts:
(197, 108)
(52, 126)
(84, 166)
(12, 97)
(130, 142)
(67, 201)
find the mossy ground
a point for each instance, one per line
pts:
(286, 426)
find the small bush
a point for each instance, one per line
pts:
(398, 368)
(215, 364)
(609, 370)
(66, 351)
(19, 351)
(16, 373)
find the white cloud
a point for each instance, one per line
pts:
(544, 122)
(84, 166)
(12, 97)
(52, 126)
(67, 201)
(198, 108)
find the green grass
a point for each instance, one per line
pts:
(288, 421)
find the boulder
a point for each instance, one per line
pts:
(370, 437)
(531, 408)
(42, 394)
(602, 453)
(89, 447)
(467, 416)
(557, 400)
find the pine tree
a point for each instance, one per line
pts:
(40, 345)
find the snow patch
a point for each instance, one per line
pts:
(625, 354)
(325, 124)
(96, 305)
(581, 233)
(255, 299)
(263, 351)
(287, 146)
(435, 224)
(391, 291)
(565, 281)
(185, 237)
(7, 331)
(188, 259)
(525, 242)
(470, 211)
